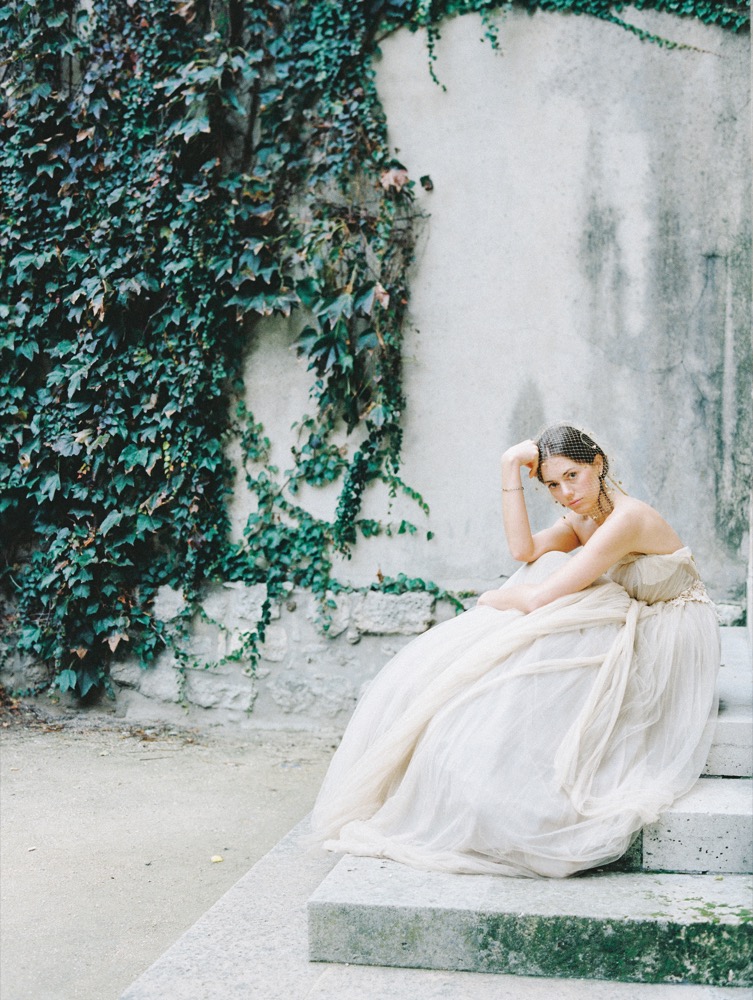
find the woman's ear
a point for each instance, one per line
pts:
(599, 466)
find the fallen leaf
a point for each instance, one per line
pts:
(216, 858)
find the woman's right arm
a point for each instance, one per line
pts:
(525, 546)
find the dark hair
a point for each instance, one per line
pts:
(568, 442)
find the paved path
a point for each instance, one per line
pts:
(107, 836)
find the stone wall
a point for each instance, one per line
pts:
(304, 679)
(585, 255)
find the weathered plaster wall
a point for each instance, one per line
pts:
(585, 255)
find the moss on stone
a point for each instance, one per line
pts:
(705, 952)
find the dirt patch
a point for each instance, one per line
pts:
(116, 838)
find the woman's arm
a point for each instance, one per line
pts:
(523, 545)
(618, 536)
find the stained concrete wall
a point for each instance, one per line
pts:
(585, 255)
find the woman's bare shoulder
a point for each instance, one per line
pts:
(654, 531)
(635, 509)
(630, 516)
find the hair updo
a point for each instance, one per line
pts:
(562, 440)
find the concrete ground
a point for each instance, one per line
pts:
(108, 835)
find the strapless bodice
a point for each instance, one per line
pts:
(653, 578)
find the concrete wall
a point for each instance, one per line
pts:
(585, 256)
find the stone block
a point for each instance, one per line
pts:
(296, 694)
(209, 643)
(275, 645)
(631, 927)
(375, 613)
(221, 689)
(168, 603)
(235, 605)
(731, 751)
(127, 674)
(162, 681)
(21, 672)
(339, 615)
(708, 830)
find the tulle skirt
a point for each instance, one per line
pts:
(529, 745)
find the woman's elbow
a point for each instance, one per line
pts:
(524, 555)
(537, 599)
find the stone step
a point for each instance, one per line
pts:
(640, 928)
(708, 830)
(732, 748)
(252, 945)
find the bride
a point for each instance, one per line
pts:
(537, 733)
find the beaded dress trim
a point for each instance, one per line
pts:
(696, 592)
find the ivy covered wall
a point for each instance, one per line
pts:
(173, 173)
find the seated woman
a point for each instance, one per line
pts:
(535, 734)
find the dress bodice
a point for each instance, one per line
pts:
(653, 578)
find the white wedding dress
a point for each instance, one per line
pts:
(538, 744)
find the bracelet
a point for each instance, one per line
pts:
(511, 489)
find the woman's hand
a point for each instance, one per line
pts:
(518, 598)
(525, 454)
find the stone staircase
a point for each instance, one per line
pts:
(379, 931)
(677, 908)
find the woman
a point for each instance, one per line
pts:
(537, 733)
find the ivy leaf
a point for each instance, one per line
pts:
(340, 307)
(66, 680)
(113, 518)
(86, 681)
(49, 485)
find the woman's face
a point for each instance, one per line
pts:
(572, 484)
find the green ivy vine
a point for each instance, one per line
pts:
(172, 172)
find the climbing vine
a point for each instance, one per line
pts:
(173, 172)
